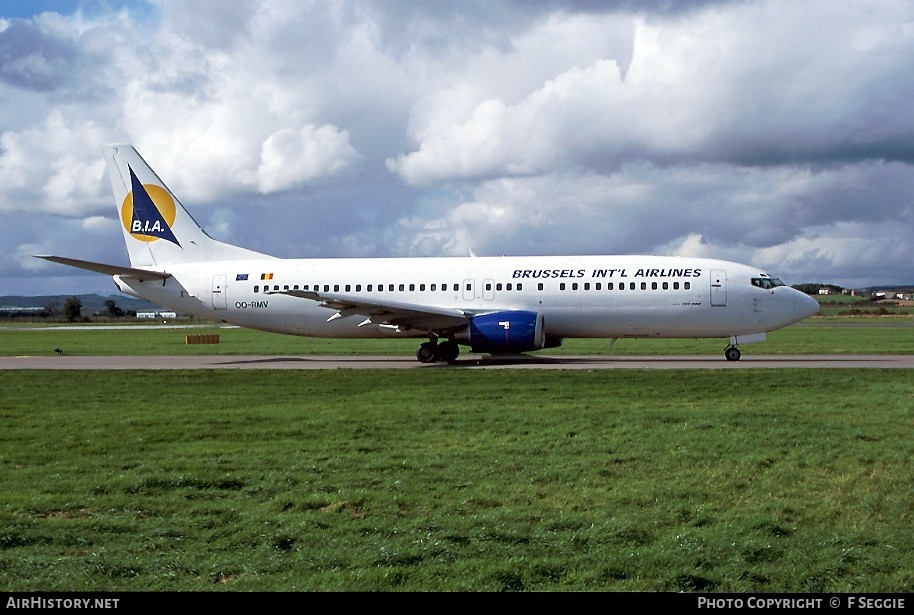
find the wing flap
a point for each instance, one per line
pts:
(379, 312)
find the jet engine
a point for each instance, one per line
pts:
(504, 332)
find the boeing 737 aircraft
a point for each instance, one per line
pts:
(494, 305)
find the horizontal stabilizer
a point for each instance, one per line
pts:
(127, 272)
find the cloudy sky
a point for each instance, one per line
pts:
(771, 132)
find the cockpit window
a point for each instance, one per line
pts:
(766, 282)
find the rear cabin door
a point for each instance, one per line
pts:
(219, 292)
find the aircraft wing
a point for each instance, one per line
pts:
(127, 272)
(403, 316)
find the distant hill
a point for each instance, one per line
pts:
(91, 303)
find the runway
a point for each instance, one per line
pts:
(66, 362)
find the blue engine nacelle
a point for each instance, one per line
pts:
(501, 332)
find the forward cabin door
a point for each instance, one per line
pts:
(718, 288)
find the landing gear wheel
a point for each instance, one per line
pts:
(427, 352)
(732, 353)
(448, 351)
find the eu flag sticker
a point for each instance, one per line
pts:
(241, 277)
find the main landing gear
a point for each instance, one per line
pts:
(732, 353)
(431, 351)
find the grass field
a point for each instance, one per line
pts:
(362, 480)
(821, 335)
(447, 480)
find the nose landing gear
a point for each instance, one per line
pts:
(732, 353)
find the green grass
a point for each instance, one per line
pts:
(452, 480)
(820, 335)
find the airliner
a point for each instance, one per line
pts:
(494, 305)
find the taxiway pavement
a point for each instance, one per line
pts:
(64, 362)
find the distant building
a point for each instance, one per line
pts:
(13, 310)
(156, 315)
(894, 294)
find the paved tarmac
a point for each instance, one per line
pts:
(52, 362)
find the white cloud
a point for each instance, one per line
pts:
(49, 168)
(290, 158)
(99, 224)
(772, 130)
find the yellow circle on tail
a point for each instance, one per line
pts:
(160, 198)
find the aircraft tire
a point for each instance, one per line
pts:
(732, 353)
(427, 352)
(448, 351)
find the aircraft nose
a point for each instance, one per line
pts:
(804, 306)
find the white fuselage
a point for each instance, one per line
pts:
(578, 296)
